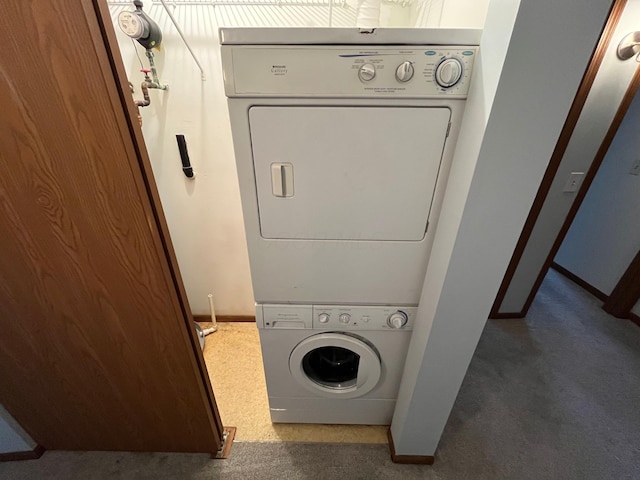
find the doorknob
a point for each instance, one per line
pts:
(629, 46)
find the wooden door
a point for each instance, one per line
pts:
(97, 348)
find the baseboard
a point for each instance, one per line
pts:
(507, 315)
(411, 459)
(580, 282)
(28, 455)
(225, 318)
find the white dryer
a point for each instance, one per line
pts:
(343, 151)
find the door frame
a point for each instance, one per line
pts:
(626, 293)
(554, 164)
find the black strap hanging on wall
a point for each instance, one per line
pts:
(184, 156)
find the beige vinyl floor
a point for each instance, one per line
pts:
(234, 361)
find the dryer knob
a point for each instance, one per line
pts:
(449, 72)
(398, 319)
(404, 72)
(344, 318)
(367, 72)
(323, 318)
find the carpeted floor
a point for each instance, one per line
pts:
(554, 396)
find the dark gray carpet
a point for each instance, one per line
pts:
(554, 396)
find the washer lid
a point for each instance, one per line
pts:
(346, 173)
(335, 365)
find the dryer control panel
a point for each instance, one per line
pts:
(347, 71)
(335, 317)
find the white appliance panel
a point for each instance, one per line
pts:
(335, 71)
(358, 173)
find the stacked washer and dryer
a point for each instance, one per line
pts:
(343, 145)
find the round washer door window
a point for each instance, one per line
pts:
(335, 365)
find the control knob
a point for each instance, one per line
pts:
(323, 318)
(397, 320)
(344, 318)
(404, 72)
(367, 72)
(448, 72)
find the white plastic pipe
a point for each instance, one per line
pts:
(214, 327)
(368, 14)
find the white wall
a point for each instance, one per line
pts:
(464, 13)
(12, 437)
(605, 235)
(602, 103)
(204, 215)
(502, 153)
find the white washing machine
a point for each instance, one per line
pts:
(343, 153)
(333, 363)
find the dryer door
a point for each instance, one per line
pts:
(346, 173)
(335, 365)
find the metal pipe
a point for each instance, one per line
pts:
(175, 23)
(144, 86)
(156, 81)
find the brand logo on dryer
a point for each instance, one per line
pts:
(279, 69)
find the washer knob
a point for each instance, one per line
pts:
(367, 72)
(398, 319)
(404, 72)
(323, 318)
(344, 318)
(448, 73)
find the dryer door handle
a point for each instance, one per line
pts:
(282, 179)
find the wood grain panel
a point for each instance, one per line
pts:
(95, 353)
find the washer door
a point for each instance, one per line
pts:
(335, 365)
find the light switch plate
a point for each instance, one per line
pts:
(574, 182)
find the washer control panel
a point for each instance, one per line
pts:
(348, 71)
(335, 317)
(346, 317)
